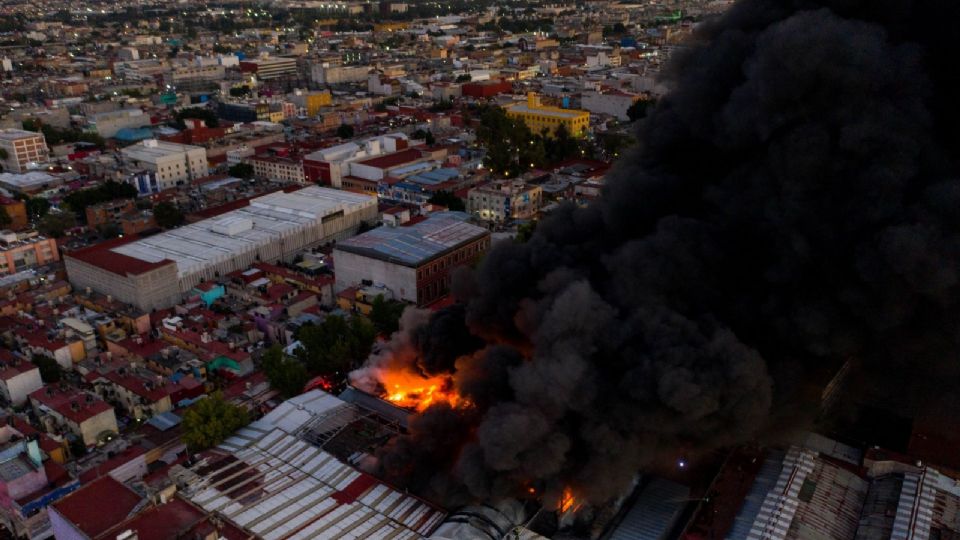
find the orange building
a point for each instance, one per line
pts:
(19, 252)
(17, 210)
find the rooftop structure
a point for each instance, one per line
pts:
(414, 245)
(276, 482)
(271, 227)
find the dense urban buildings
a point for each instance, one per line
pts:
(593, 270)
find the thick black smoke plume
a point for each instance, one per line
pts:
(793, 205)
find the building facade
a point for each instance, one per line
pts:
(539, 117)
(174, 164)
(20, 251)
(503, 201)
(415, 263)
(23, 150)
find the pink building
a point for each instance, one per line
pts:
(19, 252)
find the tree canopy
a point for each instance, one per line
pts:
(211, 420)
(287, 375)
(241, 170)
(167, 215)
(385, 314)
(336, 345)
(345, 131)
(56, 225)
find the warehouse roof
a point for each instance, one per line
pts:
(417, 244)
(263, 221)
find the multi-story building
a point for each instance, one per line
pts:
(154, 272)
(23, 150)
(19, 251)
(283, 168)
(174, 164)
(271, 67)
(501, 201)
(108, 212)
(197, 77)
(65, 409)
(325, 73)
(28, 484)
(330, 166)
(539, 117)
(415, 263)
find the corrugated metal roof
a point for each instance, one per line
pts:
(765, 480)
(654, 513)
(418, 243)
(280, 486)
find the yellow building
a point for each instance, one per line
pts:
(538, 117)
(317, 100)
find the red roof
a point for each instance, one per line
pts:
(174, 519)
(392, 160)
(12, 366)
(71, 403)
(98, 506)
(101, 256)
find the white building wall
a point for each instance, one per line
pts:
(352, 269)
(19, 387)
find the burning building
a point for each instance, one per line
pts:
(791, 210)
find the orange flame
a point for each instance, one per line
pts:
(567, 502)
(413, 391)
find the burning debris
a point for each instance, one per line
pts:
(792, 206)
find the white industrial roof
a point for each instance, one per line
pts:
(34, 178)
(211, 241)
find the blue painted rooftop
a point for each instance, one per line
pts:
(416, 244)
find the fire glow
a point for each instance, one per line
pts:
(568, 503)
(414, 391)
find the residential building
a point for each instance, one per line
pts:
(67, 410)
(18, 378)
(332, 74)
(24, 150)
(20, 251)
(28, 482)
(414, 262)
(277, 167)
(154, 272)
(505, 200)
(539, 117)
(108, 212)
(174, 164)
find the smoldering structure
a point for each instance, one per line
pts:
(792, 207)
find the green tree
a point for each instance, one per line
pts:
(241, 170)
(56, 225)
(525, 232)
(108, 231)
(3, 153)
(451, 201)
(562, 145)
(287, 375)
(639, 109)
(430, 139)
(167, 215)
(336, 345)
(50, 371)
(37, 207)
(5, 219)
(211, 420)
(345, 131)
(465, 77)
(385, 314)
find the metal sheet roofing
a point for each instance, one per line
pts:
(280, 486)
(199, 245)
(654, 513)
(411, 246)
